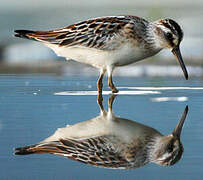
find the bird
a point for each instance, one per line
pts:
(109, 141)
(111, 41)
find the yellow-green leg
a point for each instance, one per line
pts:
(100, 86)
(110, 102)
(111, 85)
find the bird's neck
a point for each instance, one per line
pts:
(152, 145)
(153, 36)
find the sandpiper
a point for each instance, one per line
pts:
(108, 42)
(112, 142)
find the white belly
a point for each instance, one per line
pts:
(102, 126)
(126, 54)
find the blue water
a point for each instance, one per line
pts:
(30, 111)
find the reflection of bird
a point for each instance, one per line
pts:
(108, 42)
(112, 142)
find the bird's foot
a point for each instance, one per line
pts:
(114, 90)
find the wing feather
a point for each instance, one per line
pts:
(97, 151)
(96, 33)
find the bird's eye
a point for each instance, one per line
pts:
(169, 35)
(170, 149)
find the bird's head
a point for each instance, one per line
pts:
(169, 36)
(169, 149)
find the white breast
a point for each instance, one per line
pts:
(128, 54)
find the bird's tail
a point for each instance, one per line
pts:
(27, 34)
(44, 36)
(42, 148)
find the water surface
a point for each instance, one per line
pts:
(31, 109)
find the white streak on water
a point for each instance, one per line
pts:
(71, 93)
(164, 99)
(162, 88)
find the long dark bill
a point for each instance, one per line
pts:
(177, 54)
(178, 129)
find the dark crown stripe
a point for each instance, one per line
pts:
(174, 27)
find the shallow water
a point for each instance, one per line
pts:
(32, 107)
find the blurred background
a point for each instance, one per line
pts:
(24, 56)
(32, 78)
